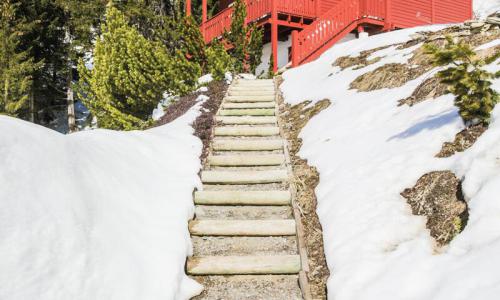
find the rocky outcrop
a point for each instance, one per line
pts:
(438, 196)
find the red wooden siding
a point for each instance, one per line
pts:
(410, 13)
(452, 11)
(326, 5)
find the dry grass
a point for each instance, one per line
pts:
(429, 89)
(359, 61)
(463, 141)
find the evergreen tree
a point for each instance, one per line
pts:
(219, 61)
(466, 79)
(193, 45)
(246, 40)
(130, 75)
(16, 66)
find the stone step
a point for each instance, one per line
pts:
(242, 198)
(247, 160)
(247, 112)
(244, 245)
(246, 131)
(242, 227)
(246, 212)
(243, 105)
(232, 265)
(244, 177)
(247, 145)
(249, 98)
(246, 120)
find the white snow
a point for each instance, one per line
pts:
(484, 8)
(367, 151)
(97, 214)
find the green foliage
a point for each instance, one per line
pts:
(192, 45)
(466, 79)
(254, 47)
(130, 74)
(246, 40)
(219, 61)
(16, 66)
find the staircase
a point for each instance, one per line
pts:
(245, 233)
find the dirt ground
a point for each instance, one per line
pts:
(306, 178)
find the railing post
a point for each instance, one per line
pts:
(274, 34)
(203, 17)
(188, 8)
(295, 48)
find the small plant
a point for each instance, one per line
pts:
(466, 79)
(219, 61)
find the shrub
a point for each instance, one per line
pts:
(219, 61)
(466, 79)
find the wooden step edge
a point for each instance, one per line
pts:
(249, 145)
(242, 227)
(244, 177)
(246, 131)
(246, 120)
(243, 265)
(247, 112)
(246, 160)
(249, 105)
(258, 198)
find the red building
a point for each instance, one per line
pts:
(315, 25)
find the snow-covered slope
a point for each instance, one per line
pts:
(97, 214)
(484, 8)
(367, 150)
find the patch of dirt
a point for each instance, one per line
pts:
(429, 89)
(205, 122)
(438, 196)
(359, 61)
(306, 178)
(463, 141)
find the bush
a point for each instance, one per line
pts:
(130, 75)
(466, 79)
(219, 61)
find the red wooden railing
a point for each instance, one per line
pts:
(326, 30)
(256, 10)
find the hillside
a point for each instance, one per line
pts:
(376, 150)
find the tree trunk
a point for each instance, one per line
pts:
(71, 103)
(32, 106)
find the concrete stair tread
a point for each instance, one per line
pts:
(247, 112)
(232, 265)
(244, 177)
(245, 130)
(246, 160)
(242, 227)
(242, 197)
(246, 120)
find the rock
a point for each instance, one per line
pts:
(493, 20)
(476, 24)
(417, 36)
(438, 196)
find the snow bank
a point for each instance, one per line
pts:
(484, 8)
(367, 151)
(97, 214)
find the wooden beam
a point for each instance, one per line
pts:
(245, 265)
(274, 34)
(188, 8)
(242, 227)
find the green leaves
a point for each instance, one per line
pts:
(130, 75)
(465, 78)
(219, 61)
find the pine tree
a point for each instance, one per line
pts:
(130, 75)
(246, 40)
(193, 45)
(219, 61)
(16, 66)
(466, 79)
